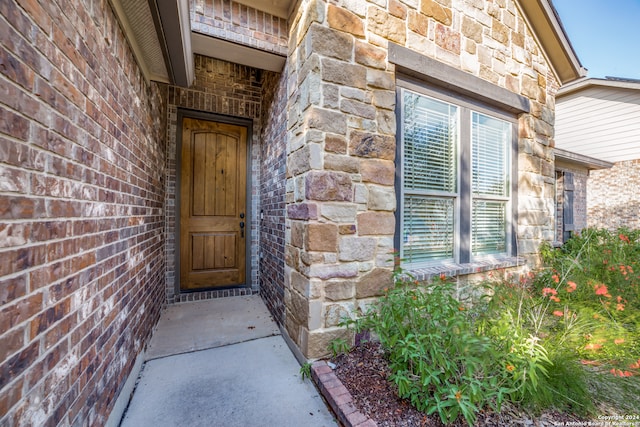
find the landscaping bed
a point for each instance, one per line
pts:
(364, 372)
(543, 347)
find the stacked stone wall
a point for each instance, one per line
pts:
(82, 157)
(340, 195)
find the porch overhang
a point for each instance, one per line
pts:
(236, 53)
(164, 53)
(586, 162)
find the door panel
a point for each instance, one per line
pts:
(212, 206)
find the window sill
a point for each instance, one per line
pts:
(453, 269)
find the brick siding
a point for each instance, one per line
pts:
(613, 199)
(238, 23)
(81, 208)
(273, 169)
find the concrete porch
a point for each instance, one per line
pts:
(222, 362)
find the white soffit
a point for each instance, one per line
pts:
(233, 52)
(279, 8)
(137, 22)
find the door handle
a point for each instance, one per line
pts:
(242, 229)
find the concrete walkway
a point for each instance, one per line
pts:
(222, 363)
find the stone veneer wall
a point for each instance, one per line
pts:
(228, 89)
(613, 200)
(341, 149)
(82, 157)
(273, 167)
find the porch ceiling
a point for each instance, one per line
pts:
(160, 36)
(232, 52)
(136, 20)
(279, 8)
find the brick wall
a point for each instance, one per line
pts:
(81, 211)
(613, 200)
(238, 23)
(273, 168)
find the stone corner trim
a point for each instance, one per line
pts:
(338, 397)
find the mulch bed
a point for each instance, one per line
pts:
(364, 372)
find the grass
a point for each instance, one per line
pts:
(613, 395)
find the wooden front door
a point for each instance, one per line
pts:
(213, 204)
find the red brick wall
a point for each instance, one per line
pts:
(238, 23)
(81, 211)
(613, 200)
(273, 172)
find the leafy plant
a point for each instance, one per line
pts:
(339, 346)
(563, 336)
(305, 371)
(437, 359)
(596, 277)
(532, 340)
(583, 306)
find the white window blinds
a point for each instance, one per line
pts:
(455, 181)
(430, 134)
(490, 141)
(430, 178)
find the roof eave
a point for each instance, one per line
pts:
(159, 33)
(173, 26)
(552, 38)
(586, 162)
(585, 83)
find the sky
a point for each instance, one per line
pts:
(605, 35)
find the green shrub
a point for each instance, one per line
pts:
(561, 337)
(439, 361)
(597, 279)
(583, 306)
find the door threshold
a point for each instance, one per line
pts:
(227, 292)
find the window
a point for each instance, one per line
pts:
(564, 206)
(455, 178)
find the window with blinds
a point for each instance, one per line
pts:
(490, 141)
(455, 181)
(430, 136)
(430, 177)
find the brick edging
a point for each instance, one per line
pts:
(338, 397)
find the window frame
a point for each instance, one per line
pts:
(463, 200)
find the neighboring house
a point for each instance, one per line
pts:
(572, 181)
(598, 135)
(161, 152)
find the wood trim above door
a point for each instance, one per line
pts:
(213, 204)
